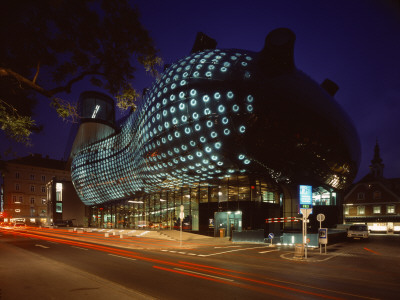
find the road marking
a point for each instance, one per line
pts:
(372, 251)
(205, 255)
(182, 252)
(122, 256)
(268, 251)
(42, 246)
(79, 248)
(227, 247)
(202, 274)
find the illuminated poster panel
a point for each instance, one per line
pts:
(305, 196)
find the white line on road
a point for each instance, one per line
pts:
(202, 274)
(227, 247)
(79, 248)
(204, 255)
(122, 256)
(42, 246)
(268, 251)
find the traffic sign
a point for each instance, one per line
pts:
(306, 212)
(271, 236)
(320, 217)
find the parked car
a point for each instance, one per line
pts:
(358, 231)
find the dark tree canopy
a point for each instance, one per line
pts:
(49, 45)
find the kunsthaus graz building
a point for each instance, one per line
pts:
(227, 134)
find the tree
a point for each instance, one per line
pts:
(47, 46)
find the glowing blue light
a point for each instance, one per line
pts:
(181, 95)
(165, 89)
(214, 157)
(172, 109)
(177, 134)
(206, 98)
(164, 101)
(217, 96)
(235, 108)
(202, 139)
(186, 74)
(207, 111)
(217, 145)
(173, 86)
(221, 108)
(163, 140)
(184, 118)
(227, 131)
(208, 74)
(176, 150)
(199, 154)
(214, 134)
(172, 97)
(183, 82)
(230, 95)
(192, 143)
(223, 69)
(198, 67)
(193, 102)
(250, 98)
(227, 64)
(193, 92)
(164, 112)
(181, 106)
(169, 137)
(211, 67)
(190, 157)
(184, 147)
(166, 124)
(202, 60)
(249, 108)
(195, 115)
(244, 64)
(225, 120)
(209, 124)
(174, 121)
(208, 149)
(242, 129)
(197, 127)
(248, 58)
(241, 156)
(196, 74)
(247, 74)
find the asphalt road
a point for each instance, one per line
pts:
(59, 264)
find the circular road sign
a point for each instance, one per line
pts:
(320, 217)
(308, 240)
(271, 236)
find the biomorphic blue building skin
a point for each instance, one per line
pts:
(221, 113)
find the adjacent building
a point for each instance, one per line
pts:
(374, 200)
(38, 191)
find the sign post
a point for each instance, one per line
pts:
(181, 216)
(271, 237)
(320, 219)
(305, 196)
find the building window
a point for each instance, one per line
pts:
(17, 175)
(43, 189)
(17, 186)
(360, 196)
(377, 195)
(32, 188)
(360, 210)
(32, 177)
(43, 178)
(43, 201)
(58, 207)
(33, 200)
(390, 209)
(58, 191)
(20, 200)
(14, 199)
(377, 209)
(347, 210)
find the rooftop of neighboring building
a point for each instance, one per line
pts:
(37, 160)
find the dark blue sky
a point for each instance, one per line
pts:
(354, 43)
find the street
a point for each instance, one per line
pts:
(144, 267)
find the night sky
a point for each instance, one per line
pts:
(354, 43)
